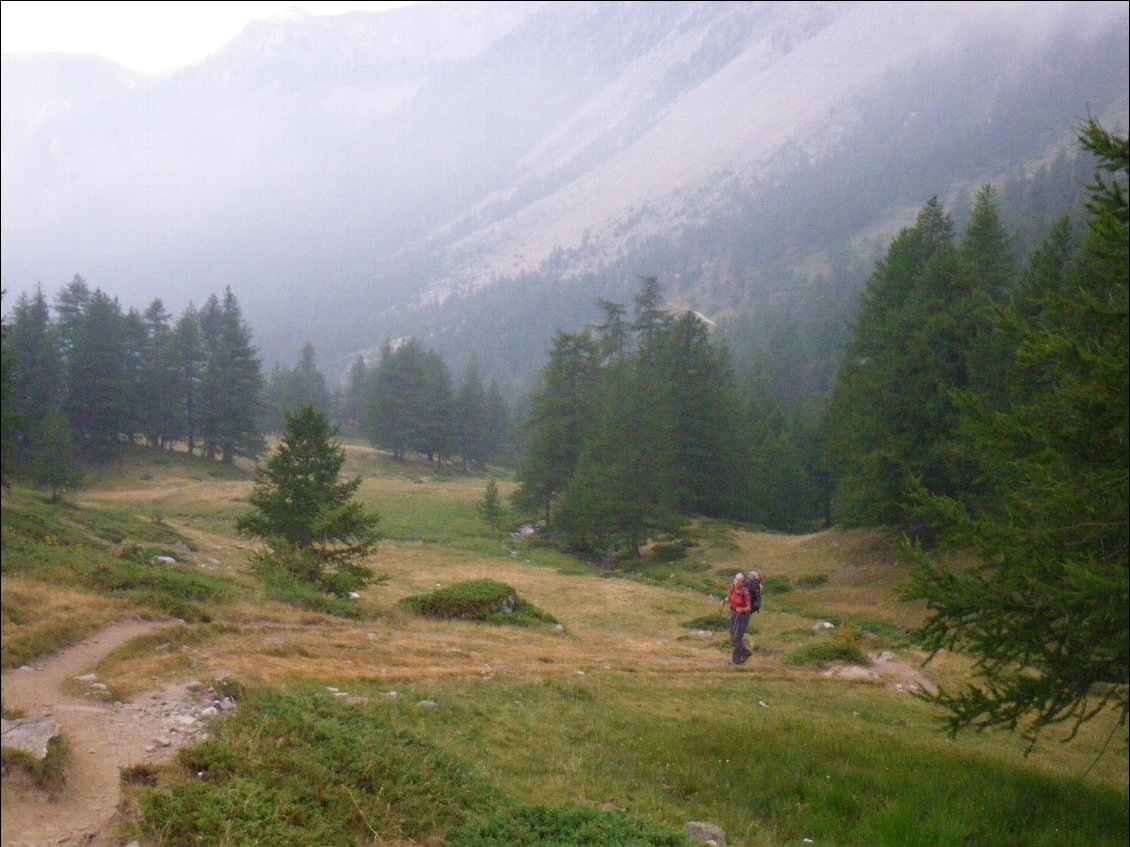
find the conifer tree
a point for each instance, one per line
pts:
(33, 360)
(231, 385)
(471, 419)
(303, 510)
(560, 421)
(98, 395)
(1045, 611)
(891, 392)
(54, 464)
(186, 362)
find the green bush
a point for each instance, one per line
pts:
(812, 580)
(777, 585)
(714, 622)
(481, 600)
(170, 589)
(567, 826)
(825, 653)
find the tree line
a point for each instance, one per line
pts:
(83, 371)
(89, 371)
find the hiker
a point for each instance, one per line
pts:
(740, 604)
(753, 585)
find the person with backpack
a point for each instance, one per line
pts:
(753, 585)
(741, 605)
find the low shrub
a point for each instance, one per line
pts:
(295, 769)
(777, 584)
(825, 653)
(480, 600)
(812, 580)
(714, 622)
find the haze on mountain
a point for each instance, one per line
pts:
(478, 174)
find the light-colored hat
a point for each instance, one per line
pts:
(739, 576)
(754, 575)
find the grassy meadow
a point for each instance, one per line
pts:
(614, 729)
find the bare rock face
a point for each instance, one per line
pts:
(30, 735)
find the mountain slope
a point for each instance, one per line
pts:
(359, 170)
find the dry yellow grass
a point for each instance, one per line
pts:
(40, 616)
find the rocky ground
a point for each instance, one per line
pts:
(103, 736)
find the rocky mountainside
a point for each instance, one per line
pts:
(366, 171)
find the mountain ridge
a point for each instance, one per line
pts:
(394, 160)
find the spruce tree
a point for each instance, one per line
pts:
(34, 364)
(559, 423)
(231, 385)
(303, 510)
(1045, 609)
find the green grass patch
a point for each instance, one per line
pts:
(847, 766)
(107, 553)
(295, 769)
(823, 653)
(567, 826)
(714, 622)
(48, 773)
(777, 584)
(480, 600)
(812, 580)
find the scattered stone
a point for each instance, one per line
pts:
(209, 712)
(228, 704)
(392, 695)
(31, 735)
(823, 625)
(763, 704)
(194, 687)
(854, 673)
(99, 686)
(353, 595)
(705, 833)
(579, 673)
(164, 560)
(609, 807)
(87, 677)
(428, 704)
(886, 656)
(704, 633)
(162, 742)
(331, 689)
(559, 628)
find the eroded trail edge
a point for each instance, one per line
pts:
(101, 743)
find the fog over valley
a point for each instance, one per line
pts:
(478, 174)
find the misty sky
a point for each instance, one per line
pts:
(153, 37)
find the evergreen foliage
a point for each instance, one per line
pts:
(1045, 609)
(55, 462)
(302, 510)
(491, 505)
(290, 389)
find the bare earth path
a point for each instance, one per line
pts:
(101, 743)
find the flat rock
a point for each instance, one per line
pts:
(30, 735)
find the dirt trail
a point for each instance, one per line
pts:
(100, 746)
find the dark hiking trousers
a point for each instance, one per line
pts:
(738, 625)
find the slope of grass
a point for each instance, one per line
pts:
(626, 720)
